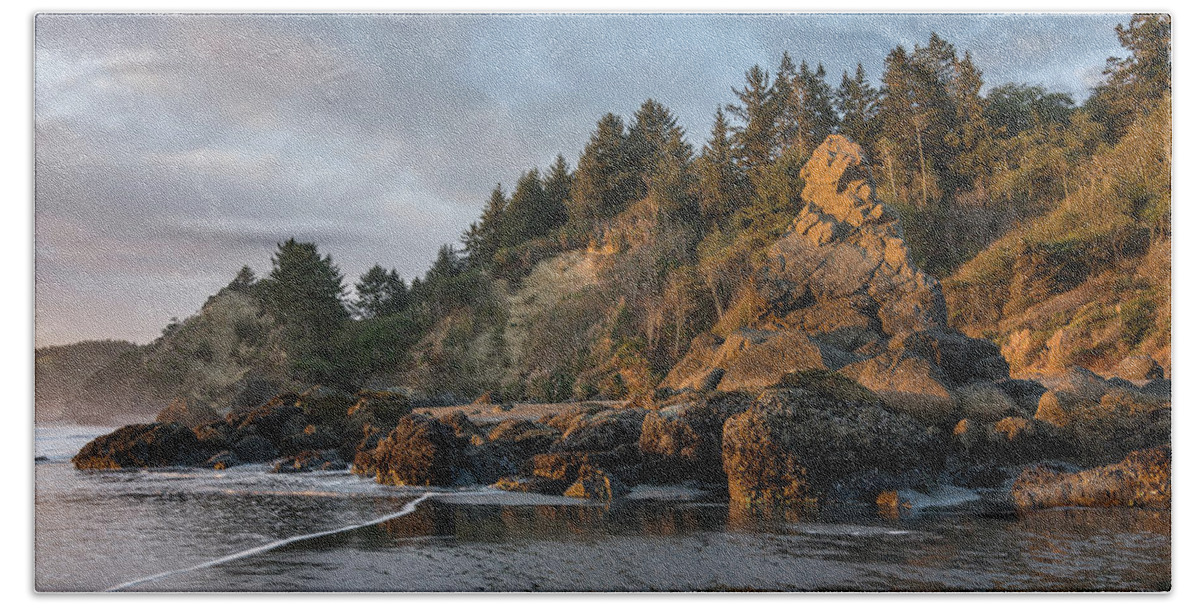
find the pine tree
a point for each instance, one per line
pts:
(754, 139)
(817, 116)
(381, 293)
(720, 184)
(528, 214)
(858, 103)
(788, 98)
(484, 238)
(304, 293)
(605, 181)
(971, 139)
(557, 185)
(660, 153)
(1136, 82)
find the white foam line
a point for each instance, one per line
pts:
(408, 508)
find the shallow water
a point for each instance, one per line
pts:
(101, 529)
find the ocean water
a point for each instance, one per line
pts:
(246, 529)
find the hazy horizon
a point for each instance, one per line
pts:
(173, 149)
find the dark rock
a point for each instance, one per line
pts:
(460, 424)
(1009, 441)
(1139, 367)
(602, 431)
(795, 444)
(323, 460)
(537, 485)
(142, 446)
(595, 484)
(223, 460)
(1025, 393)
(419, 451)
(255, 448)
(1160, 387)
(187, 413)
(963, 360)
(1142, 479)
(683, 441)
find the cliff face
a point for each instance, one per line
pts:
(840, 292)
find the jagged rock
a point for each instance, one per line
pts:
(595, 484)
(797, 444)
(419, 451)
(523, 438)
(316, 460)
(1008, 441)
(255, 448)
(222, 460)
(1024, 393)
(460, 424)
(840, 292)
(187, 413)
(1138, 367)
(1142, 479)
(602, 431)
(142, 446)
(907, 384)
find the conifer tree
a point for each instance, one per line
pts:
(721, 185)
(754, 139)
(858, 103)
(605, 181)
(529, 214)
(484, 238)
(1136, 82)
(381, 293)
(817, 116)
(661, 154)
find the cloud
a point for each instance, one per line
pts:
(178, 147)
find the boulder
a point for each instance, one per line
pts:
(1024, 393)
(963, 360)
(595, 484)
(461, 424)
(315, 460)
(255, 448)
(142, 446)
(222, 460)
(985, 402)
(536, 485)
(1008, 441)
(1142, 479)
(419, 451)
(602, 431)
(683, 441)
(761, 362)
(1138, 367)
(187, 413)
(906, 384)
(799, 443)
(522, 438)
(1103, 429)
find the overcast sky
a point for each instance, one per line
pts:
(171, 150)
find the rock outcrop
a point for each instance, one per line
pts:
(818, 433)
(1142, 479)
(142, 446)
(840, 292)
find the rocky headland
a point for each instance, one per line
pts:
(841, 383)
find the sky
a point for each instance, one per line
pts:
(170, 150)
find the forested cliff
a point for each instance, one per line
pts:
(1048, 223)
